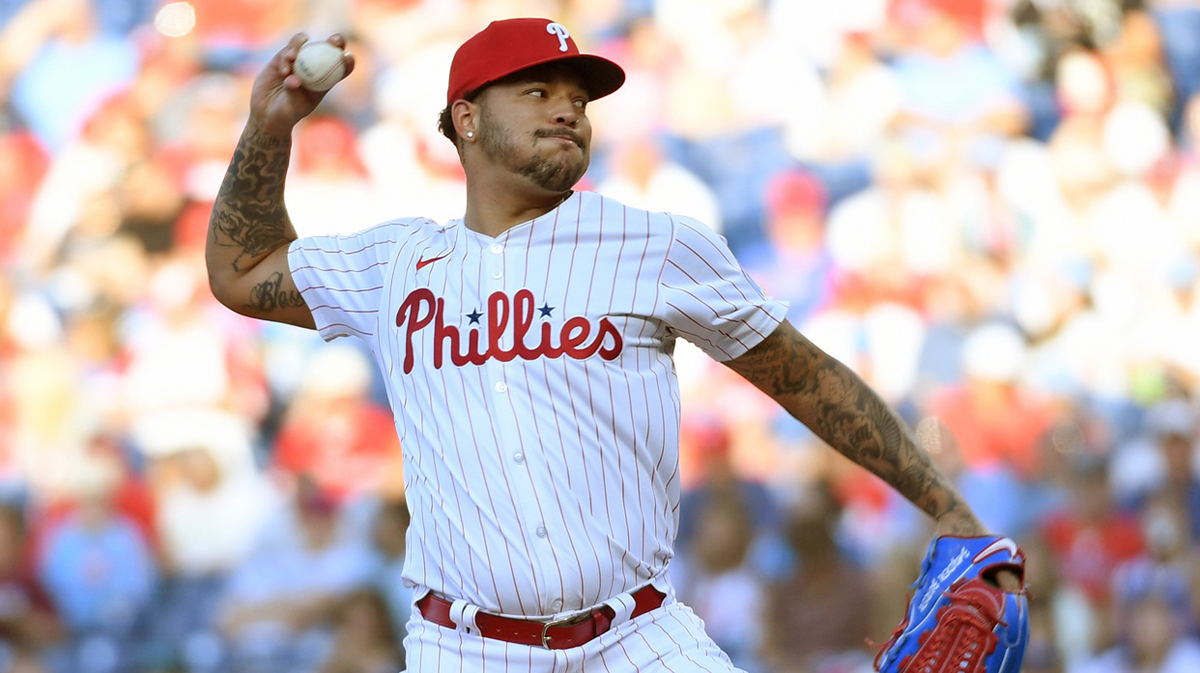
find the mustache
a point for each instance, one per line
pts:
(569, 134)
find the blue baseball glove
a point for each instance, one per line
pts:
(958, 619)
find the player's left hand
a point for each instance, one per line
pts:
(967, 525)
(968, 613)
(1009, 581)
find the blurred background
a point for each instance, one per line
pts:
(990, 209)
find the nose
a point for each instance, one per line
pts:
(566, 118)
(566, 113)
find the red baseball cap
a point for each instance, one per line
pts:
(505, 47)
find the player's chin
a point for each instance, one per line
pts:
(559, 175)
(560, 183)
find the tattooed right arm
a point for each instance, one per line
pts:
(249, 218)
(249, 232)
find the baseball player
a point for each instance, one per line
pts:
(527, 353)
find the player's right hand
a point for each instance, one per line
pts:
(278, 100)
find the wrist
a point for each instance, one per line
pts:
(959, 521)
(264, 136)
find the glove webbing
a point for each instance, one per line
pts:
(965, 632)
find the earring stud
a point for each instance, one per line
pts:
(470, 134)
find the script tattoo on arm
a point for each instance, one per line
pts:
(269, 295)
(249, 217)
(839, 407)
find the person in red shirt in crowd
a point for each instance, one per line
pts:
(334, 433)
(978, 412)
(1089, 538)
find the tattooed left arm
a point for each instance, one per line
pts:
(847, 414)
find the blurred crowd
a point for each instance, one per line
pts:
(990, 209)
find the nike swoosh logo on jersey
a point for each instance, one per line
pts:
(423, 262)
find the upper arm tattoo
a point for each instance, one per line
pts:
(249, 214)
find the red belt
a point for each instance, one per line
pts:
(554, 635)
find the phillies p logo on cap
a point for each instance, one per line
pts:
(561, 31)
(512, 45)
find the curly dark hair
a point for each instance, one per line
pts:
(445, 125)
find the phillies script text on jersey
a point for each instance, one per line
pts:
(575, 338)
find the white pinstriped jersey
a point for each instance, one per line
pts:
(533, 387)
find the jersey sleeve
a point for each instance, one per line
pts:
(709, 299)
(342, 277)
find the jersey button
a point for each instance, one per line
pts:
(520, 457)
(498, 275)
(501, 387)
(497, 248)
(541, 531)
(556, 605)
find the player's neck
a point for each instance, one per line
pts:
(494, 209)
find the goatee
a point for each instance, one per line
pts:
(557, 174)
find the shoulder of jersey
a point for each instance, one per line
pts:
(420, 223)
(410, 226)
(662, 221)
(665, 223)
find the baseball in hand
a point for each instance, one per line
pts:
(319, 66)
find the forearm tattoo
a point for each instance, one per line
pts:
(839, 407)
(249, 214)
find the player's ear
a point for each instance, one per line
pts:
(464, 113)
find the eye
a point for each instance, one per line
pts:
(581, 103)
(540, 93)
